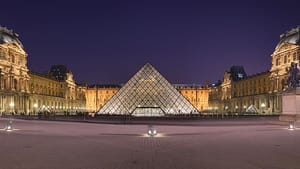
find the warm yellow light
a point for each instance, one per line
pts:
(11, 104)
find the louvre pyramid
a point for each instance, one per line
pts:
(147, 93)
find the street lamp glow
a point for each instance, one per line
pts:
(263, 105)
(151, 131)
(35, 105)
(291, 126)
(11, 104)
(9, 126)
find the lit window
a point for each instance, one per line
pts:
(240, 75)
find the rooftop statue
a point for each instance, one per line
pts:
(294, 78)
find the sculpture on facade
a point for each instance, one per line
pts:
(294, 78)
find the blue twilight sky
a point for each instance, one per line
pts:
(187, 41)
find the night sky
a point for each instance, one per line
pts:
(187, 41)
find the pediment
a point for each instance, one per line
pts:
(17, 47)
(284, 47)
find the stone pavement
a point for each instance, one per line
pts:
(67, 145)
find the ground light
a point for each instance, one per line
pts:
(9, 126)
(151, 131)
(292, 125)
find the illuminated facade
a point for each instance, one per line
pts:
(24, 92)
(148, 93)
(260, 93)
(50, 94)
(14, 78)
(197, 95)
(98, 95)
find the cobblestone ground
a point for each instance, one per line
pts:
(67, 145)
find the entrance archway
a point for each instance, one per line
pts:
(148, 112)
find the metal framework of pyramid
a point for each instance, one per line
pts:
(147, 93)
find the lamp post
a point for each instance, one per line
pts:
(35, 105)
(12, 105)
(263, 105)
(226, 112)
(236, 110)
(9, 124)
(245, 109)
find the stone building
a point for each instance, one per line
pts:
(48, 93)
(260, 93)
(98, 95)
(197, 95)
(22, 91)
(14, 78)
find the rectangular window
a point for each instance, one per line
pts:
(277, 61)
(285, 59)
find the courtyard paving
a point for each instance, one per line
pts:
(213, 145)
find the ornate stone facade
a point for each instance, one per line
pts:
(22, 91)
(14, 78)
(260, 93)
(26, 92)
(59, 96)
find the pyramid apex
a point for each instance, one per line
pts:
(148, 63)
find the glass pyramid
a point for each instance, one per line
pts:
(147, 93)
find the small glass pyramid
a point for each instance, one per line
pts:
(148, 93)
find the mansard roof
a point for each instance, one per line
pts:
(8, 36)
(291, 37)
